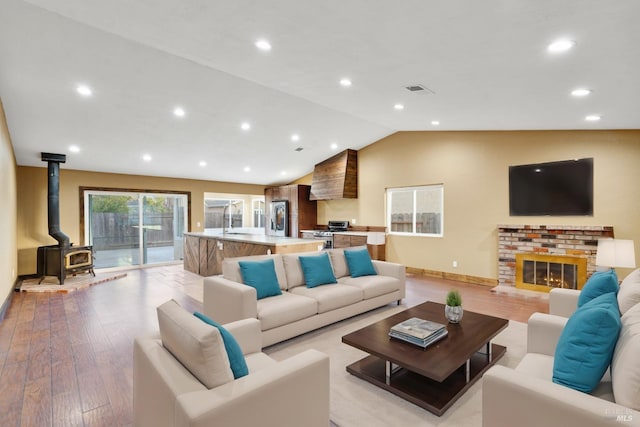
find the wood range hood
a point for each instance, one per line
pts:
(336, 177)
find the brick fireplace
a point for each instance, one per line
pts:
(572, 241)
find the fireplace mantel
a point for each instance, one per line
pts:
(572, 240)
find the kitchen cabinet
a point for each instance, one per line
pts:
(303, 212)
(348, 240)
(376, 250)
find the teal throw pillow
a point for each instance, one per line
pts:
(234, 352)
(262, 276)
(317, 270)
(586, 345)
(600, 282)
(359, 262)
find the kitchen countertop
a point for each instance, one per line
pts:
(351, 233)
(253, 238)
(373, 237)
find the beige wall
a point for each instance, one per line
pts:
(32, 203)
(8, 242)
(473, 166)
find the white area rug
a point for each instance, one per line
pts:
(356, 403)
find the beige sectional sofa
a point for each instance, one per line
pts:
(300, 309)
(170, 371)
(526, 396)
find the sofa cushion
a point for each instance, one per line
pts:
(293, 268)
(259, 361)
(331, 297)
(339, 263)
(234, 352)
(317, 270)
(262, 276)
(600, 282)
(541, 366)
(359, 262)
(625, 369)
(585, 347)
(196, 345)
(629, 293)
(537, 365)
(372, 286)
(284, 309)
(231, 268)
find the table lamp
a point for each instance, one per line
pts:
(614, 253)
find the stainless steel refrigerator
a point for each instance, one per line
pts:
(279, 222)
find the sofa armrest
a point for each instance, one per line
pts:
(226, 301)
(543, 332)
(293, 393)
(248, 333)
(391, 269)
(511, 398)
(563, 302)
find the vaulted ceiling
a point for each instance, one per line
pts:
(485, 66)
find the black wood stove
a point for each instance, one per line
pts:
(62, 259)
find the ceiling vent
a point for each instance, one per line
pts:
(299, 149)
(419, 89)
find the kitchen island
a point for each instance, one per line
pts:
(204, 252)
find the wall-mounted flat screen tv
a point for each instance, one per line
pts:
(552, 189)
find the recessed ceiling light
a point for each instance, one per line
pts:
(295, 137)
(84, 90)
(334, 146)
(592, 118)
(263, 44)
(580, 92)
(399, 107)
(179, 112)
(561, 45)
(345, 82)
(146, 158)
(74, 148)
(283, 173)
(245, 126)
(435, 122)
(202, 164)
(247, 169)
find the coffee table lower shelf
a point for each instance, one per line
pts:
(434, 396)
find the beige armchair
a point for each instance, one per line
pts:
(527, 397)
(292, 392)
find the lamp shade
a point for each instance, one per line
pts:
(616, 253)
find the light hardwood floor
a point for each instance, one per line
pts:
(66, 359)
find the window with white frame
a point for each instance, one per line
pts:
(222, 214)
(258, 213)
(416, 210)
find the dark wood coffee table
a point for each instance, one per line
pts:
(435, 377)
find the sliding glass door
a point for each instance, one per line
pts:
(131, 228)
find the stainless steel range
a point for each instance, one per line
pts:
(327, 236)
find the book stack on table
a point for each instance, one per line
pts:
(418, 331)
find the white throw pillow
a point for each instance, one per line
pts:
(629, 292)
(198, 346)
(625, 369)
